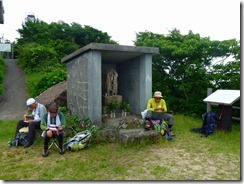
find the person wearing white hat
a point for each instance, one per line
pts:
(32, 120)
(157, 110)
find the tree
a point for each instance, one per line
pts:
(182, 69)
(41, 47)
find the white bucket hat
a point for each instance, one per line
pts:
(158, 94)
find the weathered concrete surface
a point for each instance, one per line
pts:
(86, 66)
(128, 131)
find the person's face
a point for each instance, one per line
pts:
(157, 99)
(32, 106)
(53, 112)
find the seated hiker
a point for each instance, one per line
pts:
(31, 121)
(52, 124)
(157, 110)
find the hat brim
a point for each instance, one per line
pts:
(158, 97)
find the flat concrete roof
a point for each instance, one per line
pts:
(113, 53)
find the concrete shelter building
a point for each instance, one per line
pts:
(86, 66)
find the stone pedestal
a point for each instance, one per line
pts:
(107, 99)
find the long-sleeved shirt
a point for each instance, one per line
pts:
(44, 120)
(151, 105)
(38, 112)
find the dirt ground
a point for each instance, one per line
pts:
(12, 102)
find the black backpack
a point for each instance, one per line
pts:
(209, 124)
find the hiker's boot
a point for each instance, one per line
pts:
(45, 151)
(170, 132)
(61, 149)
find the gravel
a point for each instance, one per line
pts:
(12, 102)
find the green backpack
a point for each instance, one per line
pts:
(163, 129)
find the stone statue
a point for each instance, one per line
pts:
(110, 82)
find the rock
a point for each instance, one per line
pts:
(131, 137)
(57, 94)
(108, 134)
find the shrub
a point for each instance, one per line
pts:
(45, 80)
(35, 58)
(2, 72)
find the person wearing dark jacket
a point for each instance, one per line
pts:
(32, 121)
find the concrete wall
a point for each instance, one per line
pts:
(84, 86)
(85, 68)
(135, 84)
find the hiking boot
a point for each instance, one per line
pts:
(61, 151)
(148, 125)
(45, 151)
(170, 132)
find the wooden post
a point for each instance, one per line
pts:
(225, 113)
(12, 51)
(209, 92)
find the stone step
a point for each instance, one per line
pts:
(129, 137)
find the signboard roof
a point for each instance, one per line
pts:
(225, 97)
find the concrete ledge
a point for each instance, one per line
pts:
(112, 48)
(129, 137)
(133, 137)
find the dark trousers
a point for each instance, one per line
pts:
(32, 128)
(160, 116)
(58, 134)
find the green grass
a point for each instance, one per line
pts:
(190, 156)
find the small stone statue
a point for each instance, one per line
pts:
(110, 82)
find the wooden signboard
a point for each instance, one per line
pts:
(224, 97)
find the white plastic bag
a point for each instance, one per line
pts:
(144, 113)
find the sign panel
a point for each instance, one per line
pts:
(5, 47)
(225, 97)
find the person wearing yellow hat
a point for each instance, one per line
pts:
(32, 121)
(157, 110)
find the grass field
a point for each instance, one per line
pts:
(189, 157)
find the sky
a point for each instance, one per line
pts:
(122, 19)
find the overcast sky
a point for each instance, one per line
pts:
(122, 19)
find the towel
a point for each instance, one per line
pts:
(53, 126)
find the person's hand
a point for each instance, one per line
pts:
(24, 116)
(60, 128)
(159, 108)
(29, 121)
(49, 133)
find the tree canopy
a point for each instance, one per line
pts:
(187, 66)
(183, 70)
(41, 47)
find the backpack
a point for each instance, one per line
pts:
(78, 142)
(162, 128)
(209, 124)
(164, 131)
(20, 140)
